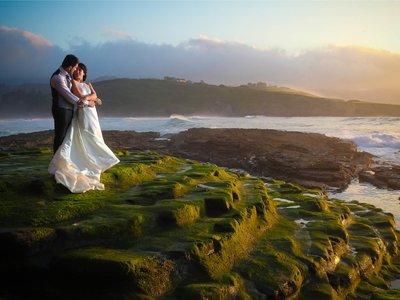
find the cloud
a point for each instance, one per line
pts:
(36, 40)
(25, 56)
(112, 33)
(350, 72)
(346, 72)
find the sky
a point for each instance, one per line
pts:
(334, 48)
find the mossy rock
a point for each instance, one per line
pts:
(26, 242)
(289, 188)
(320, 291)
(225, 226)
(112, 229)
(159, 189)
(93, 266)
(207, 291)
(316, 205)
(219, 256)
(275, 274)
(171, 228)
(216, 206)
(186, 215)
(344, 278)
(182, 216)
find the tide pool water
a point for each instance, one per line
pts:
(387, 200)
(377, 135)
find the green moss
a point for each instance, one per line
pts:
(167, 227)
(207, 291)
(147, 274)
(121, 152)
(4, 154)
(216, 206)
(345, 278)
(110, 228)
(27, 241)
(275, 274)
(289, 188)
(386, 295)
(158, 189)
(179, 215)
(255, 193)
(315, 205)
(361, 229)
(217, 258)
(318, 291)
(33, 151)
(123, 176)
(187, 215)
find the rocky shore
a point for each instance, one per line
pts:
(308, 159)
(170, 228)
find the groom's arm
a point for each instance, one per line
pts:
(59, 83)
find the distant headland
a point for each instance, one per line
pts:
(125, 97)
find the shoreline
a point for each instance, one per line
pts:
(308, 159)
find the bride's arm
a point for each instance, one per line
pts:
(76, 91)
(93, 92)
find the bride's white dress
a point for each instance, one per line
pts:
(83, 155)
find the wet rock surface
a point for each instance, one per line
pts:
(312, 160)
(382, 175)
(308, 159)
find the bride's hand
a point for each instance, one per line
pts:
(98, 101)
(83, 101)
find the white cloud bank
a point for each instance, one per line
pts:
(344, 72)
(25, 55)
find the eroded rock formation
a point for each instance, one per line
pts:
(180, 229)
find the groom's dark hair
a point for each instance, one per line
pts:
(69, 61)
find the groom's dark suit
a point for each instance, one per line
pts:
(63, 105)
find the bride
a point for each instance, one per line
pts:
(83, 155)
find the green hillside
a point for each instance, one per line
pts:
(153, 97)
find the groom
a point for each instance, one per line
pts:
(63, 99)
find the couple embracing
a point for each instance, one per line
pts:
(80, 154)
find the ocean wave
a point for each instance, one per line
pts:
(378, 140)
(179, 117)
(371, 120)
(177, 123)
(5, 133)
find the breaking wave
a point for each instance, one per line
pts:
(177, 123)
(378, 140)
(179, 117)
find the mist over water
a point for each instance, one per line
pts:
(377, 135)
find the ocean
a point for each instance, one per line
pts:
(377, 135)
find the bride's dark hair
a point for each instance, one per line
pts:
(83, 67)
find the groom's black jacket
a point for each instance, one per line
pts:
(54, 93)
